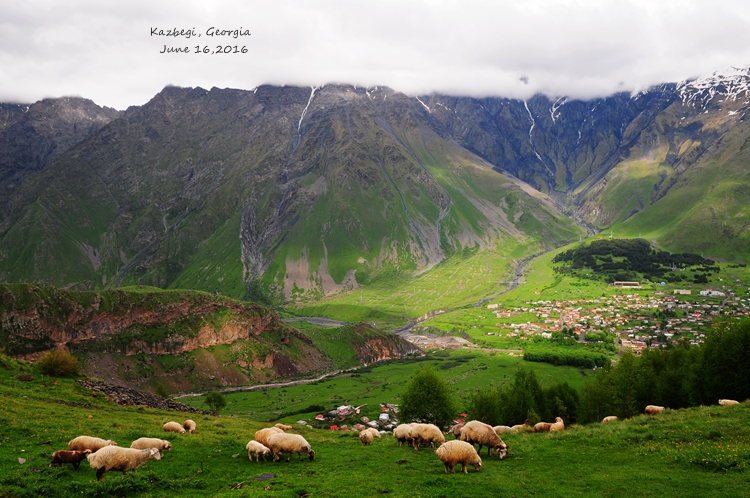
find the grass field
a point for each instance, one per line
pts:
(696, 452)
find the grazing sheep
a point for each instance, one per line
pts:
(502, 429)
(289, 443)
(426, 435)
(611, 418)
(728, 402)
(653, 409)
(476, 432)
(89, 443)
(258, 449)
(455, 452)
(124, 459)
(262, 435)
(374, 431)
(559, 425)
(283, 427)
(173, 427)
(525, 427)
(69, 456)
(456, 429)
(145, 443)
(403, 434)
(366, 437)
(542, 427)
(189, 426)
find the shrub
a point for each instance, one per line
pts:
(58, 363)
(427, 399)
(215, 401)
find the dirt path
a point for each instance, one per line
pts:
(262, 386)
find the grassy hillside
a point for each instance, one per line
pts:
(694, 452)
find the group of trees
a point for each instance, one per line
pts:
(675, 377)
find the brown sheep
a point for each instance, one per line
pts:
(456, 429)
(262, 435)
(69, 456)
(542, 427)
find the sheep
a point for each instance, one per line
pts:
(366, 437)
(289, 443)
(455, 452)
(258, 449)
(283, 427)
(502, 429)
(559, 425)
(263, 434)
(374, 431)
(483, 435)
(69, 456)
(653, 409)
(189, 426)
(403, 434)
(426, 434)
(456, 429)
(611, 418)
(145, 443)
(173, 427)
(728, 402)
(124, 459)
(542, 427)
(525, 427)
(94, 444)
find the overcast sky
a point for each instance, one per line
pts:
(104, 50)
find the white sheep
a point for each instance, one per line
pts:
(189, 425)
(289, 443)
(254, 447)
(403, 434)
(611, 418)
(173, 427)
(374, 431)
(476, 432)
(426, 434)
(728, 402)
(455, 452)
(456, 429)
(559, 425)
(283, 427)
(502, 429)
(366, 437)
(145, 443)
(262, 435)
(94, 444)
(653, 409)
(542, 427)
(124, 459)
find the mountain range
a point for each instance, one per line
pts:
(289, 193)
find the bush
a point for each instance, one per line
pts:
(427, 399)
(58, 363)
(215, 401)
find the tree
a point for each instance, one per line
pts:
(215, 401)
(58, 363)
(485, 405)
(427, 399)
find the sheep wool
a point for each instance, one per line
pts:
(94, 444)
(254, 447)
(151, 442)
(289, 443)
(559, 425)
(124, 459)
(374, 431)
(403, 434)
(476, 432)
(189, 426)
(427, 435)
(283, 427)
(728, 402)
(454, 452)
(262, 435)
(611, 418)
(173, 427)
(502, 429)
(74, 457)
(525, 427)
(366, 437)
(653, 409)
(456, 429)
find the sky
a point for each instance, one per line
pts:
(105, 50)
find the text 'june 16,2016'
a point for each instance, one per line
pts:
(213, 34)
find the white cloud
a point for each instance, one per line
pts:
(581, 48)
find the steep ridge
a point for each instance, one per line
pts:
(287, 193)
(178, 339)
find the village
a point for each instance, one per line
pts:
(636, 321)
